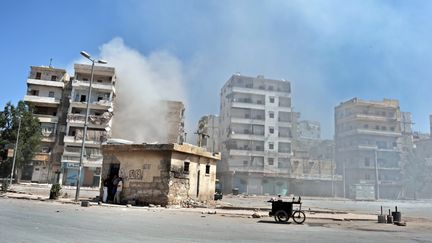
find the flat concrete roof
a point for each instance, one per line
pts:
(182, 148)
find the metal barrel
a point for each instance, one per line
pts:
(397, 216)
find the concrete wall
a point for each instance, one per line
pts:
(197, 166)
(145, 175)
(159, 176)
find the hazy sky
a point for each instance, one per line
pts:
(331, 51)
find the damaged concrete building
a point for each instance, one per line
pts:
(208, 133)
(163, 174)
(46, 87)
(101, 109)
(368, 148)
(174, 118)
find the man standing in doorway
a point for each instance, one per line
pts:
(117, 198)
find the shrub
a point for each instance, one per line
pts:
(55, 191)
(4, 185)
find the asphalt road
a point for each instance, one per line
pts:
(409, 208)
(35, 221)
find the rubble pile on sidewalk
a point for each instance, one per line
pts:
(190, 203)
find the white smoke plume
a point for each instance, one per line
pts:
(142, 82)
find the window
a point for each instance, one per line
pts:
(35, 92)
(271, 114)
(99, 81)
(53, 78)
(367, 177)
(270, 161)
(186, 167)
(392, 129)
(85, 79)
(271, 146)
(207, 169)
(272, 99)
(245, 162)
(83, 98)
(38, 75)
(377, 127)
(271, 130)
(366, 126)
(367, 162)
(51, 94)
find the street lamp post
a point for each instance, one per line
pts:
(15, 151)
(86, 55)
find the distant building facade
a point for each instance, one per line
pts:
(368, 152)
(255, 135)
(309, 129)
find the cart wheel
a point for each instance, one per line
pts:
(281, 216)
(299, 217)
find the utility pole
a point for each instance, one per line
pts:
(15, 151)
(377, 193)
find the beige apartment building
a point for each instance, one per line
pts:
(368, 148)
(101, 110)
(45, 89)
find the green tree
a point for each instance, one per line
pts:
(29, 138)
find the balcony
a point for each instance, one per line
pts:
(46, 118)
(247, 121)
(240, 152)
(247, 105)
(244, 136)
(95, 85)
(58, 84)
(43, 157)
(93, 120)
(48, 137)
(370, 132)
(101, 104)
(259, 91)
(72, 140)
(87, 161)
(250, 169)
(41, 100)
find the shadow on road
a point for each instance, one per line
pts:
(272, 222)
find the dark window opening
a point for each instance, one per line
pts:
(53, 78)
(186, 167)
(83, 98)
(207, 169)
(38, 75)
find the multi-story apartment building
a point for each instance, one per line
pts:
(255, 134)
(208, 133)
(99, 123)
(368, 151)
(45, 89)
